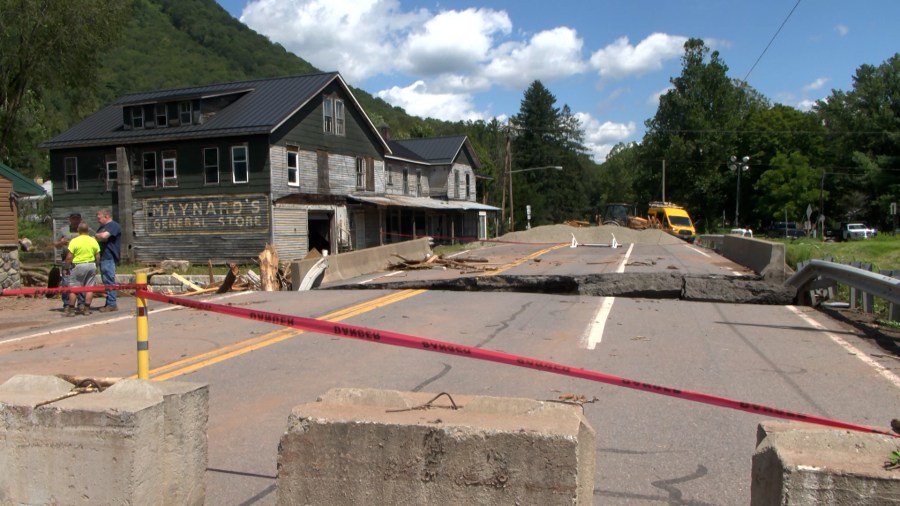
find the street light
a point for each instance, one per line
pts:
(738, 166)
(512, 220)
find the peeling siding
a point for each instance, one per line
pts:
(8, 226)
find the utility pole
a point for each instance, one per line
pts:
(664, 181)
(505, 174)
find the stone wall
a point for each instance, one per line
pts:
(10, 267)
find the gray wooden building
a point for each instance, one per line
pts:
(216, 172)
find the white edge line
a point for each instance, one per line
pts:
(596, 329)
(698, 251)
(111, 320)
(880, 369)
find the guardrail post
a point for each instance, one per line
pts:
(143, 342)
(893, 309)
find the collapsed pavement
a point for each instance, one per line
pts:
(649, 285)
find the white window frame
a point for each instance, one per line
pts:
(328, 114)
(234, 164)
(207, 167)
(137, 117)
(162, 115)
(189, 110)
(339, 121)
(148, 170)
(390, 174)
(405, 181)
(70, 168)
(360, 173)
(456, 183)
(468, 187)
(169, 168)
(292, 161)
(112, 174)
(418, 182)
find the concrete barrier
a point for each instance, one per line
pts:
(763, 257)
(365, 261)
(137, 442)
(797, 464)
(363, 447)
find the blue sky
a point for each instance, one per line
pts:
(607, 60)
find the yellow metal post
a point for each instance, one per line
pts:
(143, 342)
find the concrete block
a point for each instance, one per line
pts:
(360, 446)
(369, 260)
(136, 443)
(797, 464)
(763, 257)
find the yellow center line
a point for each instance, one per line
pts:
(196, 362)
(209, 358)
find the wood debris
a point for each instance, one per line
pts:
(464, 264)
(577, 223)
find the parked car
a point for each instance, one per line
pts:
(785, 229)
(856, 231)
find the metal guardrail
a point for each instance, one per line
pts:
(881, 286)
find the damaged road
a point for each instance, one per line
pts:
(650, 285)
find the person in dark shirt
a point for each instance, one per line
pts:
(109, 235)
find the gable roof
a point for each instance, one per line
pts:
(21, 184)
(264, 105)
(433, 150)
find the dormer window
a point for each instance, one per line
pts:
(137, 117)
(185, 113)
(162, 115)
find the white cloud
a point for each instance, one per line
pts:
(620, 59)
(600, 138)
(453, 41)
(653, 99)
(816, 85)
(549, 55)
(418, 100)
(806, 105)
(842, 29)
(354, 37)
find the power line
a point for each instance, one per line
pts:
(772, 40)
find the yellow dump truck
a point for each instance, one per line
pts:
(672, 218)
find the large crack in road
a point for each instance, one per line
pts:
(664, 285)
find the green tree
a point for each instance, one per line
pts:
(46, 47)
(788, 188)
(545, 136)
(695, 130)
(863, 128)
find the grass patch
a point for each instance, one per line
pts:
(883, 251)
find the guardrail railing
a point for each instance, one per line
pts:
(819, 274)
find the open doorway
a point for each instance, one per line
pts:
(320, 227)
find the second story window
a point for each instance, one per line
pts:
(112, 172)
(137, 117)
(333, 116)
(71, 169)
(149, 169)
(456, 183)
(162, 115)
(406, 181)
(293, 169)
(468, 187)
(418, 182)
(169, 168)
(239, 164)
(360, 173)
(185, 113)
(211, 165)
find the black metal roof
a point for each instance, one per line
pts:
(265, 105)
(432, 150)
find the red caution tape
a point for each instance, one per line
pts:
(409, 341)
(71, 289)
